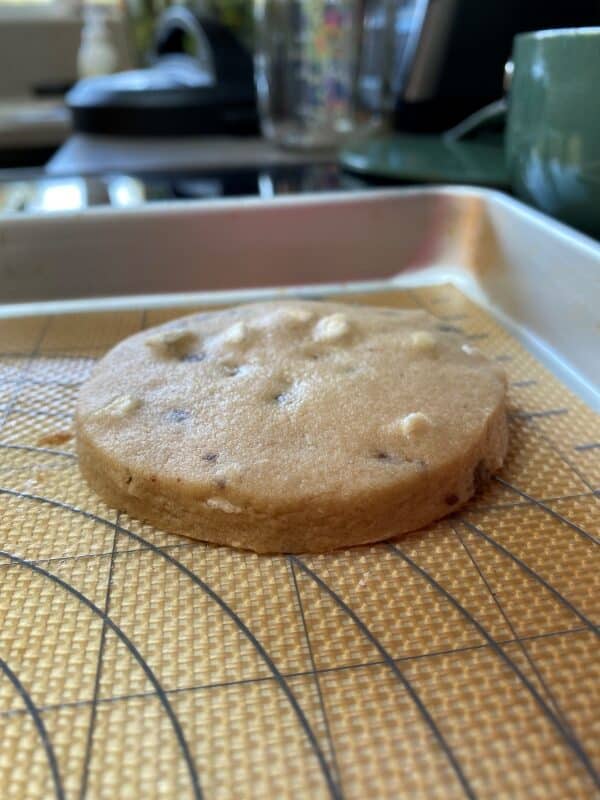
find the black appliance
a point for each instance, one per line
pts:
(450, 54)
(209, 90)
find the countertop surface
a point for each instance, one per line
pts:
(30, 122)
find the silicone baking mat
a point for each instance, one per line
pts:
(459, 661)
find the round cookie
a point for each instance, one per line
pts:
(292, 426)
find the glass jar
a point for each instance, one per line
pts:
(321, 69)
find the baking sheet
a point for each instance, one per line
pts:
(512, 260)
(458, 661)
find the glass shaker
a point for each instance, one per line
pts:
(321, 69)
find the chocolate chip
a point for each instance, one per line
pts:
(481, 476)
(178, 415)
(193, 357)
(129, 479)
(211, 457)
(398, 458)
(451, 500)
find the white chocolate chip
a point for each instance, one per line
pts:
(237, 333)
(331, 328)
(414, 424)
(423, 341)
(119, 407)
(170, 342)
(470, 350)
(223, 505)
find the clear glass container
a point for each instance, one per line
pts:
(322, 69)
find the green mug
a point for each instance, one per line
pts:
(553, 124)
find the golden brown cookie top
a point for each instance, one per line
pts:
(271, 405)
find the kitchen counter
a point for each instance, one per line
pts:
(33, 123)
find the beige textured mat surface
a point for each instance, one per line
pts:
(459, 661)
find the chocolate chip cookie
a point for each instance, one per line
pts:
(292, 426)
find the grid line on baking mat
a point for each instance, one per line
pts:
(307, 673)
(393, 665)
(546, 690)
(84, 600)
(94, 701)
(275, 689)
(34, 712)
(559, 724)
(202, 585)
(314, 672)
(21, 376)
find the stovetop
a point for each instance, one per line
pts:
(34, 191)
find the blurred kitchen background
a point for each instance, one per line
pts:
(230, 98)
